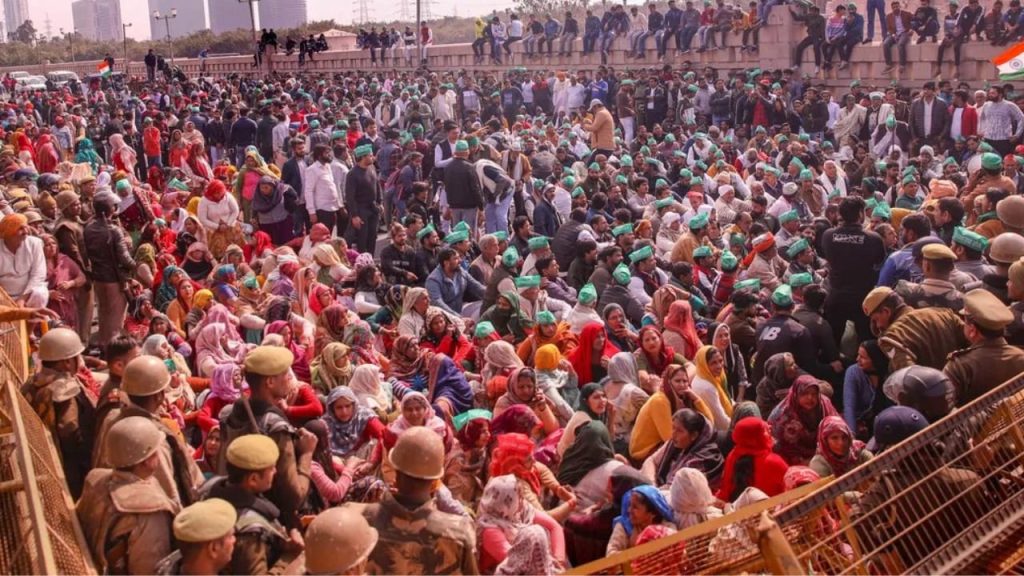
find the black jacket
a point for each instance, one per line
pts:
(563, 244)
(462, 185)
(107, 250)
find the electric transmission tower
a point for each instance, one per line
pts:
(362, 11)
(403, 11)
(427, 13)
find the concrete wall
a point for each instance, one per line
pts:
(777, 42)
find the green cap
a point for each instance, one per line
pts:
(783, 296)
(801, 279)
(651, 160)
(511, 257)
(641, 254)
(483, 329)
(695, 181)
(909, 179)
(461, 226)
(626, 228)
(664, 202)
(670, 138)
(702, 252)
(787, 217)
(569, 181)
(699, 221)
(661, 183)
(749, 284)
(425, 231)
(991, 161)
(622, 274)
(456, 237)
(890, 122)
(461, 146)
(969, 239)
(806, 174)
(626, 160)
(685, 174)
(621, 179)
(594, 166)
(364, 150)
(473, 141)
(588, 294)
(501, 235)
(728, 261)
(545, 318)
(527, 281)
(538, 242)
(123, 185)
(797, 247)
(882, 211)
(577, 192)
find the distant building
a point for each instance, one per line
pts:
(282, 13)
(98, 19)
(16, 12)
(228, 15)
(191, 17)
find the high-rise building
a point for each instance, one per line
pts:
(191, 17)
(228, 15)
(282, 13)
(15, 13)
(98, 19)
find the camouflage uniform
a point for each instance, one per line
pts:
(126, 521)
(930, 292)
(420, 541)
(69, 413)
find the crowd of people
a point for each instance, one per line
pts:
(471, 322)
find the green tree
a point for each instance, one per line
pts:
(25, 33)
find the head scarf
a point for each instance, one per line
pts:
(795, 429)
(359, 337)
(222, 382)
(583, 357)
(519, 419)
(702, 453)
(261, 203)
(365, 382)
(345, 436)
(208, 345)
(433, 422)
(797, 476)
(680, 320)
(330, 321)
(547, 357)
(472, 431)
(662, 301)
(332, 367)
(407, 360)
(840, 464)
(591, 448)
(513, 454)
(153, 344)
(751, 437)
(719, 382)
(503, 508)
(499, 358)
(529, 554)
(691, 498)
(653, 497)
(622, 368)
(167, 292)
(318, 290)
(664, 356)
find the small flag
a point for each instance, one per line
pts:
(104, 69)
(1011, 63)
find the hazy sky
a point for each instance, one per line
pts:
(136, 12)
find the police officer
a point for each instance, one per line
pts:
(781, 333)
(63, 404)
(339, 541)
(937, 262)
(268, 373)
(145, 383)
(263, 544)
(416, 537)
(1004, 250)
(125, 514)
(1015, 292)
(205, 532)
(989, 361)
(924, 389)
(924, 336)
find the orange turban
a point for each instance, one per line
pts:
(11, 224)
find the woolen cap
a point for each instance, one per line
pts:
(205, 521)
(269, 360)
(875, 298)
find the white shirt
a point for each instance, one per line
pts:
(575, 95)
(340, 173)
(442, 108)
(956, 125)
(515, 29)
(211, 214)
(928, 115)
(24, 271)
(279, 134)
(319, 189)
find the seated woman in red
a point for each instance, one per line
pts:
(443, 336)
(752, 462)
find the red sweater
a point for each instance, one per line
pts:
(305, 406)
(753, 438)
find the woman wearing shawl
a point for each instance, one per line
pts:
(198, 262)
(385, 320)
(351, 424)
(222, 284)
(145, 264)
(590, 359)
(370, 289)
(196, 166)
(557, 380)
(371, 391)
(780, 370)
(226, 384)
(691, 498)
(283, 284)
(693, 444)
(795, 421)
(413, 320)
(162, 325)
(862, 388)
(547, 331)
(167, 291)
(330, 268)
(270, 209)
(442, 336)
(588, 464)
(587, 531)
(301, 365)
(507, 317)
(502, 515)
(653, 356)
(140, 313)
(447, 388)
(522, 391)
(201, 302)
(331, 368)
(737, 384)
(751, 463)
(65, 280)
(176, 150)
(360, 339)
(513, 454)
(332, 477)
(87, 155)
(121, 154)
(660, 304)
(593, 406)
(529, 554)
(618, 330)
(330, 326)
(191, 232)
(654, 422)
(642, 507)
(206, 455)
(416, 411)
(471, 460)
(740, 411)
(710, 385)
(218, 213)
(248, 179)
(680, 330)
(214, 346)
(838, 451)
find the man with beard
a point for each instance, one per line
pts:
(397, 260)
(425, 259)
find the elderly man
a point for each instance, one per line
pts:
(22, 265)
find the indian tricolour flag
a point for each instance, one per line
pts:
(1011, 63)
(104, 69)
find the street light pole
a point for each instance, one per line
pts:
(419, 35)
(124, 40)
(71, 43)
(167, 26)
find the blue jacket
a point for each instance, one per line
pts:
(545, 220)
(672, 19)
(551, 28)
(899, 266)
(449, 294)
(592, 26)
(855, 29)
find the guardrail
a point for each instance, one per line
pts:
(39, 531)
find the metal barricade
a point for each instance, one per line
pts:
(39, 531)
